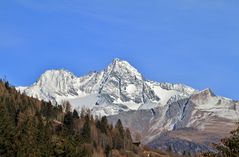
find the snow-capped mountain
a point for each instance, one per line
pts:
(119, 87)
(188, 125)
(167, 115)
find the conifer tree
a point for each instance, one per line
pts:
(86, 130)
(29, 127)
(102, 125)
(6, 133)
(118, 139)
(69, 121)
(75, 114)
(120, 128)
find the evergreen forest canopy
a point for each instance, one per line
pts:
(29, 127)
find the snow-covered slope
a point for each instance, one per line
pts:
(191, 123)
(158, 111)
(119, 87)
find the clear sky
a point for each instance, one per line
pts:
(195, 42)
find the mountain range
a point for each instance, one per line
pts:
(168, 116)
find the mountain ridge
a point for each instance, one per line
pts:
(119, 83)
(153, 109)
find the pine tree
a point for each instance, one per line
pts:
(75, 114)
(6, 133)
(118, 137)
(69, 121)
(128, 139)
(29, 127)
(120, 128)
(102, 125)
(86, 130)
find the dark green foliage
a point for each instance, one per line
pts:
(119, 139)
(69, 121)
(102, 125)
(120, 128)
(75, 115)
(6, 132)
(86, 131)
(29, 127)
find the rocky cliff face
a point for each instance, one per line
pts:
(187, 126)
(117, 88)
(168, 116)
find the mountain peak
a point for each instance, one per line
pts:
(203, 95)
(55, 75)
(120, 62)
(119, 86)
(116, 60)
(57, 71)
(123, 67)
(208, 92)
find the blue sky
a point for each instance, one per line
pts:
(195, 42)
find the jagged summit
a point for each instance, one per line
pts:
(119, 87)
(117, 60)
(122, 67)
(55, 74)
(153, 107)
(54, 71)
(116, 67)
(208, 91)
(204, 94)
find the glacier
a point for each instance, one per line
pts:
(117, 88)
(166, 115)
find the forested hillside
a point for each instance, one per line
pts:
(29, 127)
